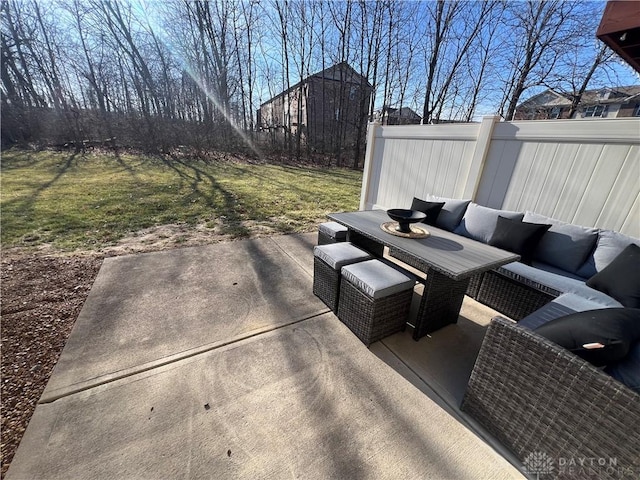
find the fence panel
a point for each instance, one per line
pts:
(587, 173)
(412, 161)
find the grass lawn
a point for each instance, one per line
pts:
(75, 201)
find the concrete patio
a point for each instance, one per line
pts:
(219, 362)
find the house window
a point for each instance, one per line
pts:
(596, 111)
(636, 111)
(555, 112)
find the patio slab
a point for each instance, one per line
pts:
(444, 359)
(218, 362)
(150, 309)
(304, 401)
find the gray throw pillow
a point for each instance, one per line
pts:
(610, 244)
(451, 213)
(480, 222)
(565, 245)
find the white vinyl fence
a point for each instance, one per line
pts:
(586, 173)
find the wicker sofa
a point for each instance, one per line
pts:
(566, 256)
(534, 396)
(539, 399)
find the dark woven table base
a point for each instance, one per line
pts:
(374, 248)
(441, 302)
(372, 319)
(538, 398)
(326, 283)
(408, 259)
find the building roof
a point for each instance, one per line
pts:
(402, 112)
(340, 72)
(599, 96)
(615, 95)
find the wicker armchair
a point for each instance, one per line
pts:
(542, 401)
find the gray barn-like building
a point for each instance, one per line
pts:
(327, 109)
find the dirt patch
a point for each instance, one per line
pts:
(41, 299)
(165, 237)
(42, 294)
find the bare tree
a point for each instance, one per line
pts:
(584, 60)
(17, 75)
(602, 56)
(478, 62)
(195, 70)
(453, 28)
(538, 34)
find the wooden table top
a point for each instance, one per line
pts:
(453, 255)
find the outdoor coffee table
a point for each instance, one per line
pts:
(449, 261)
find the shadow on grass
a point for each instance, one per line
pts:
(196, 176)
(24, 204)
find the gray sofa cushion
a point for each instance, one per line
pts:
(480, 222)
(578, 303)
(565, 246)
(451, 213)
(560, 283)
(565, 304)
(610, 245)
(550, 268)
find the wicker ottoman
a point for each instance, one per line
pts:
(328, 260)
(331, 232)
(374, 299)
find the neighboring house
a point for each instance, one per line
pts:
(327, 108)
(398, 116)
(614, 102)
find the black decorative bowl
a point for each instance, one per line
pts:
(405, 218)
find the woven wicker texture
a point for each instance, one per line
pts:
(408, 259)
(371, 320)
(326, 283)
(374, 248)
(324, 239)
(474, 285)
(535, 396)
(529, 282)
(511, 297)
(441, 302)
